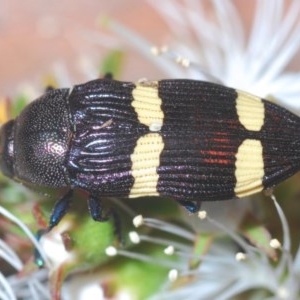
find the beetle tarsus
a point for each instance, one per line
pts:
(118, 227)
(109, 75)
(49, 88)
(60, 209)
(190, 206)
(100, 214)
(96, 209)
(38, 259)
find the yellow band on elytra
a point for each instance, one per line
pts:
(145, 161)
(249, 170)
(147, 104)
(250, 110)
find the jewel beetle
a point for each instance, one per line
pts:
(190, 140)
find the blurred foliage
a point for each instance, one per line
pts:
(112, 63)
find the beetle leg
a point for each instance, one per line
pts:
(190, 205)
(96, 209)
(38, 259)
(60, 209)
(49, 88)
(118, 227)
(98, 213)
(109, 75)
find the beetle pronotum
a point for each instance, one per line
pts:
(190, 140)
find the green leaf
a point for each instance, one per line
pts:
(112, 63)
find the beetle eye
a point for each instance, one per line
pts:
(7, 149)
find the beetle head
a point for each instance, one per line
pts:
(34, 146)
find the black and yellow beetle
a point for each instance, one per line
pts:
(190, 140)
